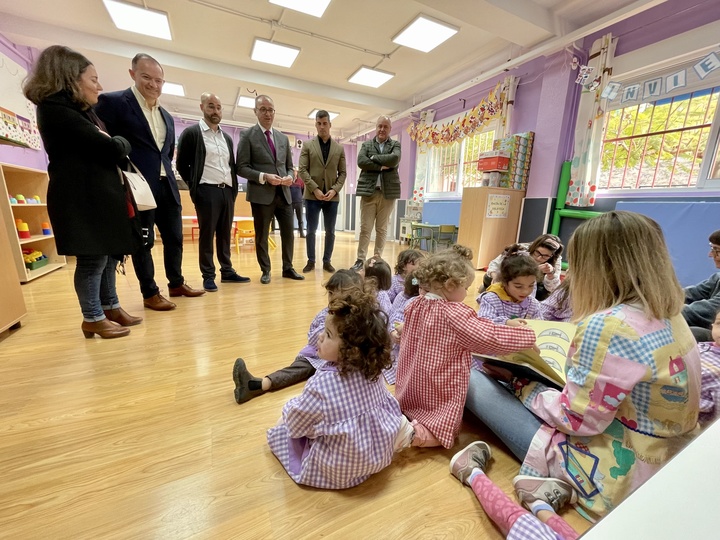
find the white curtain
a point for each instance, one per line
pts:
(590, 124)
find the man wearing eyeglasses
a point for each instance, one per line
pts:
(265, 160)
(136, 114)
(702, 301)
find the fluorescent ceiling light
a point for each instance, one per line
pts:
(274, 53)
(333, 115)
(173, 89)
(138, 19)
(370, 77)
(424, 34)
(316, 8)
(247, 102)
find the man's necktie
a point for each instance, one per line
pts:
(271, 143)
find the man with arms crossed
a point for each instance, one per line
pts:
(322, 168)
(136, 115)
(206, 161)
(265, 160)
(379, 186)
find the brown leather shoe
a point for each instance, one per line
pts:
(185, 290)
(158, 303)
(106, 329)
(120, 316)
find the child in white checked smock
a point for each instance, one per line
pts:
(407, 261)
(513, 297)
(306, 361)
(710, 378)
(439, 334)
(344, 425)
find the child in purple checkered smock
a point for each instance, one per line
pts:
(378, 280)
(710, 378)
(556, 307)
(344, 425)
(306, 362)
(407, 261)
(514, 296)
(397, 316)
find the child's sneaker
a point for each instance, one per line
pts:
(405, 435)
(557, 493)
(474, 455)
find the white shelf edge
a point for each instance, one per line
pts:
(35, 238)
(50, 267)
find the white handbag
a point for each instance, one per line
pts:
(140, 189)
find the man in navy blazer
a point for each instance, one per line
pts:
(136, 115)
(265, 160)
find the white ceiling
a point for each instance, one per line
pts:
(212, 41)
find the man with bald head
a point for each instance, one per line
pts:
(379, 186)
(136, 115)
(206, 161)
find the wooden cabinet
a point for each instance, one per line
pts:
(489, 219)
(16, 180)
(12, 303)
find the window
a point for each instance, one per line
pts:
(658, 144)
(448, 168)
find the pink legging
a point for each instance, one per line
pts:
(423, 437)
(504, 512)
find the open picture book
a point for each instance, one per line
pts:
(553, 340)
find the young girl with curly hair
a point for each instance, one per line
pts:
(344, 425)
(512, 298)
(407, 261)
(247, 387)
(439, 334)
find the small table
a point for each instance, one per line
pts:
(418, 235)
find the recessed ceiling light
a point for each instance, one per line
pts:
(247, 102)
(274, 53)
(370, 77)
(316, 8)
(138, 19)
(333, 115)
(425, 33)
(173, 89)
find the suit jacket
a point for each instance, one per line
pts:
(254, 156)
(370, 161)
(191, 159)
(122, 115)
(320, 175)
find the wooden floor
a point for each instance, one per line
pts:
(140, 437)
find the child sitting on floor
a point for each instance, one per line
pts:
(516, 523)
(397, 317)
(306, 362)
(556, 307)
(378, 280)
(346, 424)
(710, 381)
(407, 261)
(439, 334)
(513, 297)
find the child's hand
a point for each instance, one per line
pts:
(399, 328)
(515, 323)
(395, 336)
(546, 268)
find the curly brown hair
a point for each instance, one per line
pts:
(411, 284)
(460, 250)
(405, 257)
(362, 327)
(446, 268)
(343, 280)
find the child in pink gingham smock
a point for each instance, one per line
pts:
(407, 261)
(439, 334)
(344, 425)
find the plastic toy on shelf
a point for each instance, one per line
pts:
(20, 198)
(46, 228)
(34, 259)
(23, 230)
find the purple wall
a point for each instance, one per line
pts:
(27, 157)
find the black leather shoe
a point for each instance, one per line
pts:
(265, 279)
(292, 274)
(358, 265)
(328, 267)
(234, 278)
(309, 267)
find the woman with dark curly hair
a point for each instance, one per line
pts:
(346, 424)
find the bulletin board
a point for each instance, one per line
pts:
(18, 123)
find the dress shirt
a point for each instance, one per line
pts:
(217, 157)
(324, 148)
(261, 179)
(155, 121)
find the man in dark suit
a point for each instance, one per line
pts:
(136, 115)
(265, 160)
(379, 186)
(322, 168)
(206, 161)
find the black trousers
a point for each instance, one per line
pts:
(215, 208)
(168, 218)
(298, 208)
(262, 216)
